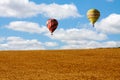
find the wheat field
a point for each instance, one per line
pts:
(93, 64)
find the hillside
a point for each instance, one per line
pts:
(93, 64)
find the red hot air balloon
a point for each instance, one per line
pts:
(52, 25)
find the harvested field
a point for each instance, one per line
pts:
(93, 64)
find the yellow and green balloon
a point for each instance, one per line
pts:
(93, 15)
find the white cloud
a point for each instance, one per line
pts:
(26, 27)
(82, 39)
(60, 11)
(17, 8)
(90, 44)
(17, 43)
(1, 39)
(110, 24)
(51, 44)
(26, 8)
(77, 34)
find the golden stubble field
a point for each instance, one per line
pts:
(93, 64)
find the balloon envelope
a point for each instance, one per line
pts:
(52, 25)
(93, 15)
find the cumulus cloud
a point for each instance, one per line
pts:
(51, 44)
(26, 8)
(1, 39)
(110, 24)
(26, 27)
(18, 43)
(90, 44)
(83, 39)
(15, 8)
(60, 11)
(77, 34)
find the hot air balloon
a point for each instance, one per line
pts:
(52, 25)
(93, 15)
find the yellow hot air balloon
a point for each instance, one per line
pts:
(93, 15)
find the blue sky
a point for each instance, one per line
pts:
(23, 24)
